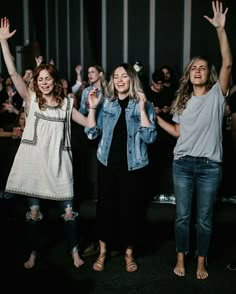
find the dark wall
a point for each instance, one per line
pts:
(114, 33)
(204, 38)
(9, 10)
(169, 34)
(168, 38)
(138, 33)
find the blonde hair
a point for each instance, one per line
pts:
(135, 84)
(186, 88)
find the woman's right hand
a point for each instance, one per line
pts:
(93, 100)
(5, 29)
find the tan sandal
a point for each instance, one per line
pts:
(99, 263)
(131, 265)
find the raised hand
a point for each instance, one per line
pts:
(219, 18)
(93, 100)
(5, 29)
(39, 59)
(78, 68)
(142, 100)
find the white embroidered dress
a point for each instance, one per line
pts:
(42, 167)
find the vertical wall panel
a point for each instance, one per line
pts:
(138, 35)
(114, 34)
(153, 36)
(75, 36)
(169, 33)
(104, 34)
(62, 35)
(51, 30)
(92, 33)
(187, 32)
(16, 20)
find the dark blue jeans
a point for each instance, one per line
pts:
(204, 175)
(34, 226)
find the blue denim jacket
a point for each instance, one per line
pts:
(84, 107)
(138, 137)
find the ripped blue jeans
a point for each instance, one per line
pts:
(34, 219)
(204, 176)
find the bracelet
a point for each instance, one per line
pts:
(92, 107)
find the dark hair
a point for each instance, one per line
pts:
(158, 76)
(169, 68)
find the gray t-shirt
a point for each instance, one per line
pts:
(201, 126)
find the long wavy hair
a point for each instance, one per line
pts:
(185, 90)
(135, 83)
(57, 90)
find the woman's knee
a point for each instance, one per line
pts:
(34, 214)
(69, 214)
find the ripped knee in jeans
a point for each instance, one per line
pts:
(69, 214)
(34, 214)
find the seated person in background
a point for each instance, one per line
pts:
(9, 147)
(10, 104)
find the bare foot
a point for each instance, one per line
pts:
(201, 269)
(77, 260)
(179, 269)
(30, 263)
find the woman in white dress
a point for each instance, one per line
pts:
(42, 167)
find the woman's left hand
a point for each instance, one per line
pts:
(142, 100)
(219, 18)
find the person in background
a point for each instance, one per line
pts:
(42, 167)
(198, 112)
(125, 126)
(79, 82)
(97, 80)
(10, 104)
(161, 150)
(28, 75)
(88, 148)
(170, 81)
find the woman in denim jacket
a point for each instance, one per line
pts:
(125, 125)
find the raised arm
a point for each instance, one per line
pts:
(218, 21)
(78, 83)
(16, 77)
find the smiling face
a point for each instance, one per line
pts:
(121, 82)
(45, 82)
(199, 73)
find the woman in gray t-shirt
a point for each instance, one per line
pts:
(198, 115)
